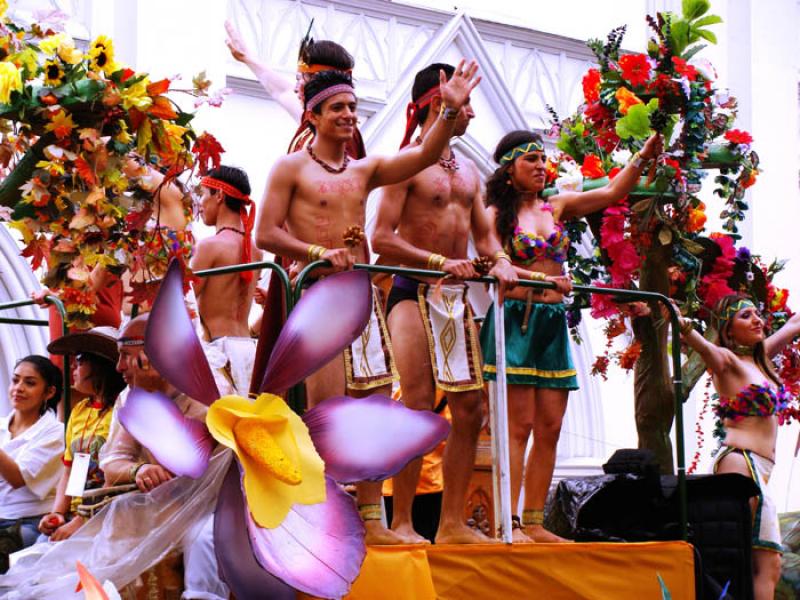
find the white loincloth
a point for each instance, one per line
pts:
(369, 362)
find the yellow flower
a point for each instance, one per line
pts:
(26, 60)
(53, 73)
(10, 81)
(626, 99)
(136, 96)
(101, 55)
(51, 44)
(281, 465)
(3, 7)
(123, 137)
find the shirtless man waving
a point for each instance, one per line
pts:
(425, 222)
(320, 194)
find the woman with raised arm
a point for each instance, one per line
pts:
(31, 444)
(751, 402)
(539, 368)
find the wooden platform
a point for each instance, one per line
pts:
(596, 571)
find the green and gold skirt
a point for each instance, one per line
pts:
(540, 356)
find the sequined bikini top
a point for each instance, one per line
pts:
(527, 247)
(754, 401)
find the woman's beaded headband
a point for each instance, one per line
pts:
(517, 151)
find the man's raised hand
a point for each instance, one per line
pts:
(456, 91)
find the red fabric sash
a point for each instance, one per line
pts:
(412, 113)
(247, 212)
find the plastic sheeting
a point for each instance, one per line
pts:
(132, 534)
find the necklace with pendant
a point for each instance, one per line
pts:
(326, 166)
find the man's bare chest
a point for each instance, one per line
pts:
(437, 189)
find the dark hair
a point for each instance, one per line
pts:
(499, 191)
(235, 177)
(322, 81)
(325, 52)
(105, 379)
(52, 375)
(425, 80)
(723, 327)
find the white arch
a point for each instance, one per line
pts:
(17, 281)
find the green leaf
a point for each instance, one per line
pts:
(679, 35)
(707, 35)
(636, 124)
(693, 9)
(709, 20)
(690, 52)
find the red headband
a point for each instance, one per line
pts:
(248, 218)
(412, 112)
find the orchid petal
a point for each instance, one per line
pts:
(237, 564)
(180, 444)
(318, 548)
(171, 343)
(373, 438)
(330, 315)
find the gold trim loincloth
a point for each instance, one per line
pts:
(452, 339)
(369, 361)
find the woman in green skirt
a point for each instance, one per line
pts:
(539, 368)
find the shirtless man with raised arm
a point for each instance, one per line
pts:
(224, 301)
(425, 222)
(319, 194)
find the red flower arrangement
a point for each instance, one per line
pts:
(737, 136)
(635, 68)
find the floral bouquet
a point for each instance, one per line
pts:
(658, 234)
(71, 123)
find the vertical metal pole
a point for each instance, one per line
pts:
(498, 414)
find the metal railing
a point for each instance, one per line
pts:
(498, 398)
(59, 306)
(498, 389)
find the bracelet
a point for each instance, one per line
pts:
(448, 113)
(501, 255)
(135, 469)
(686, 327)
(637, 160)
(436, 262)
(538, 276)
(315, 252)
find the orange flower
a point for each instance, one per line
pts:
(628, 358)
(592, 167)
(696, 219)
(626, 99)
(748, 178)
(551, 170)
(61, 124)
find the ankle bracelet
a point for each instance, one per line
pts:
(370, 512)
(533, 517)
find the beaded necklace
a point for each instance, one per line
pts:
(448, 164)
(233, 229)
(326, 166)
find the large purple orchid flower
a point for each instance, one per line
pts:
(282, 522)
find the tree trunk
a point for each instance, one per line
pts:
(653, 396)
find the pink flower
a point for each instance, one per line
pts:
(602, 305)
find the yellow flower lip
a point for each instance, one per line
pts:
(281, 465)
(255, 439)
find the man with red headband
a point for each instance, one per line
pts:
(224, 301)
(320, 196)
(426, 222)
